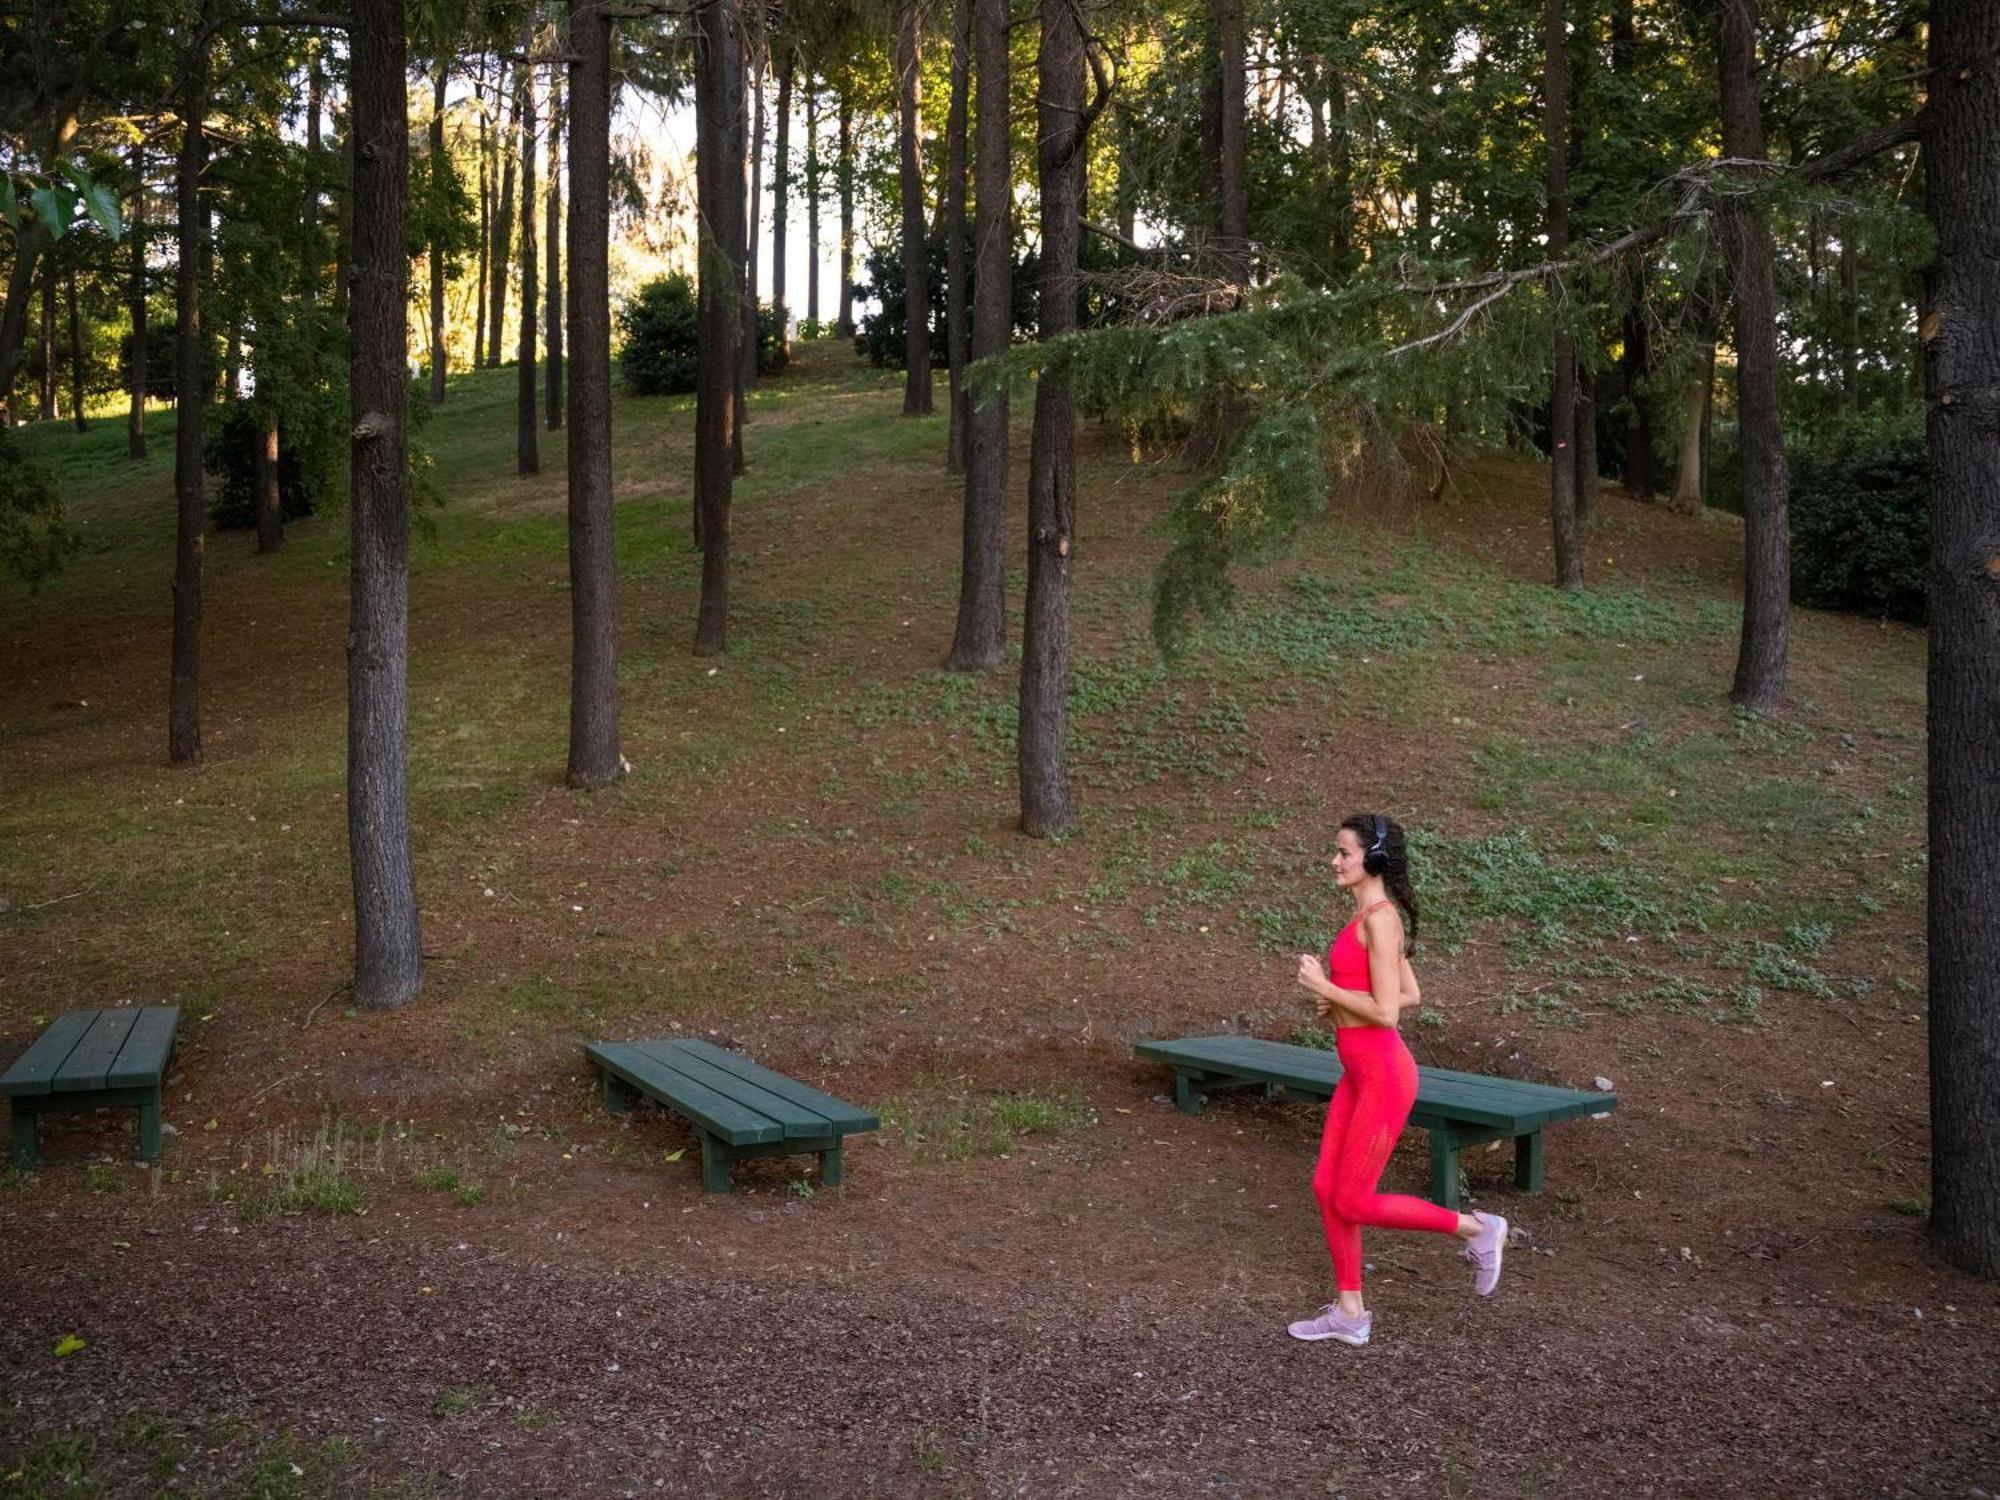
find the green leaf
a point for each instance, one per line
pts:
(68, 1344)
(10, 206)
(102, 205)
(52, 208)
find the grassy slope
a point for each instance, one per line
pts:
(826, 816)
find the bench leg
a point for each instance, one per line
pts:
(832, 1166)
(149, 1128)
(1528, 1162)
(618, 1094)
(714, 1164)
(1444, 1165)
(1187, 1093)
(22, 1148)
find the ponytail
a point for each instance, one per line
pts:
(1395, 868)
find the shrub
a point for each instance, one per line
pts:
(36, 537)
(235, 435)
(1861, 524)
(660, 326)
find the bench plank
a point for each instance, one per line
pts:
(34, 1070)
(87, 1066)
(735, 1124)
(143, 1058)
(841, 1116)
(794, 1121)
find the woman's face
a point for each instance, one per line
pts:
(1347, 869)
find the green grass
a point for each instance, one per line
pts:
(959, 1126)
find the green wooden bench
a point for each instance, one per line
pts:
(738, 1108)
(93, 1059)
(1458, 1109)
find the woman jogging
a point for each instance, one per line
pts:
(1365, 986)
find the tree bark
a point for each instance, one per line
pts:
(527, 419)
(184, 691)
(781, 196)
(1218, 421)
(719, 185)
(954, 230)
(979, 640)
(439, 78)
(49, 382)
(916, 281)
(1962, 353)
(1563, 526)
(388, 951)
(845, 172)
(753, 230)
(812, 199)
(594, 756)
(30, 246)
(1635, 361)
(1688, 492)
(135, 421)
(503, 229)
(739, 386)
(485, 228)
(1746, 239)
(270, 502)
(553, 339)
(76, 364)
(1063, 126)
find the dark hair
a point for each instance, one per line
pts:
(1396, 866)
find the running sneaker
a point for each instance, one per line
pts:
(1484, 1250)
(1332, 1323)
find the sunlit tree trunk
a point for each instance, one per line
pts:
(719, 184)
(954, 230)
(916, 280)
(527, 423)
(845, 172)
(135, 422)
(553, 311)
(440, 74)
(1562, 403)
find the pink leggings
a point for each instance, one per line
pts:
(1370, 1106)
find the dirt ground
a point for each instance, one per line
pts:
(1714, 1295)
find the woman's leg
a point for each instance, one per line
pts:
(1343, 1236)
(1386, 1089)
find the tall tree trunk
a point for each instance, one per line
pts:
(388, 951)
(746, 287)
(436, 164)
(1586, 448)
(1688, 491)
(76, 365)
(1047, 809)
(719, 184)
(753, 228)
(484, 293)
(845, 172)
(781, 196)
(916, 280)
(30, 245)
(979, 641)
(503, 228)
(594, 758)
(527, 423)
(1746, 240)
(270, 502)
(1850, 322)
(553, 339)
(49, 383)
(1962, 351)
(1562, 402)
(954, 232)
(1218, 421)
(312, 253)
(812, 199)
(1635, 362)
(184, 691)
(343, 237)
(135, 422)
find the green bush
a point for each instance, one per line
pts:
(660, 326)
(235, 434)
(1860, 516)
(36, 537)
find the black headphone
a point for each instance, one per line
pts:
(1375, 859)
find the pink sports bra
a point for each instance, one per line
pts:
(1347, 959)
